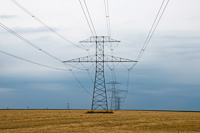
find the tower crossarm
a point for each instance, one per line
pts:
(109, 58)
(92, 58)
(100, 39)
(82, 59)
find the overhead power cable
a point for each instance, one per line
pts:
(78, 81)
(90, 18)
(32, 61)
(152, 30)
(75, 66)
(150, 34)
(74, 18)
(157, 23)
(88, 71)
(89, 21)
(14, 56)
(28, 42)
(33, 45)
(41, 22)
(106, 5)
(127, 82)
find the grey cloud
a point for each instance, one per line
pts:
(32, 30)
(7, 16)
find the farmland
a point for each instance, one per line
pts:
(80, 121)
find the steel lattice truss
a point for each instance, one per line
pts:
(92, 58)
(116, 99)
(99, 99)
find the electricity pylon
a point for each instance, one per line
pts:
(99, 98)
(116, 98)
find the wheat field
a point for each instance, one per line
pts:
(79, 121)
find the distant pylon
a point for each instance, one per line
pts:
(99, 98)
(116, 98)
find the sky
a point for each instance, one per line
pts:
(167, 77)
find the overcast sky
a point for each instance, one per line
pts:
(166, 78)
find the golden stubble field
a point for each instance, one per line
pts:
(18, 121)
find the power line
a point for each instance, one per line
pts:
(32, 61)
(150, 34)
(93, 32)
(14, 56)
(106, 5)
(70, 13)
(87, 69)
(154, 22)
(41, 22)
(78, 81)
(75, 66)
(28, 42)
(90, 18)
(75, 20)
(113, 71)
(92, 29)
(33, 45)
(157, 23)
(127, 82)
(152, 30)
(107, 16)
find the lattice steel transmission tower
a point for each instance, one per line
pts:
(116, 98)
(99, 98)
